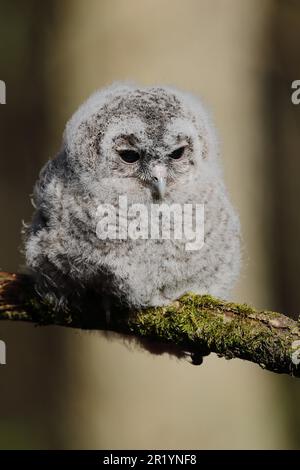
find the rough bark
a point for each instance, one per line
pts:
(197, 324)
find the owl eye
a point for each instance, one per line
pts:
(129, 156)
(177, 154)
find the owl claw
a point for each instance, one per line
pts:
(194, 358)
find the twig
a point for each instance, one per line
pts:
(198, 324)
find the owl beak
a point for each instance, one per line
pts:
(159, 185)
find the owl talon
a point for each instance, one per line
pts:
(193, 358)
(196, 359)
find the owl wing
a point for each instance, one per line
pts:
(42, 199)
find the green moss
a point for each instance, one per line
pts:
(230, 330)
(200, 324)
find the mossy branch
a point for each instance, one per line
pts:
(197, 324)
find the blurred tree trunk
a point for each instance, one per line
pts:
(284, 163)
(28, 417)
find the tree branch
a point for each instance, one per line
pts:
(198, 324)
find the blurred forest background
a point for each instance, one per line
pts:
(69, 389)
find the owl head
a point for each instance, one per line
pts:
(145, 139)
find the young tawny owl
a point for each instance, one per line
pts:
(150, 146)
